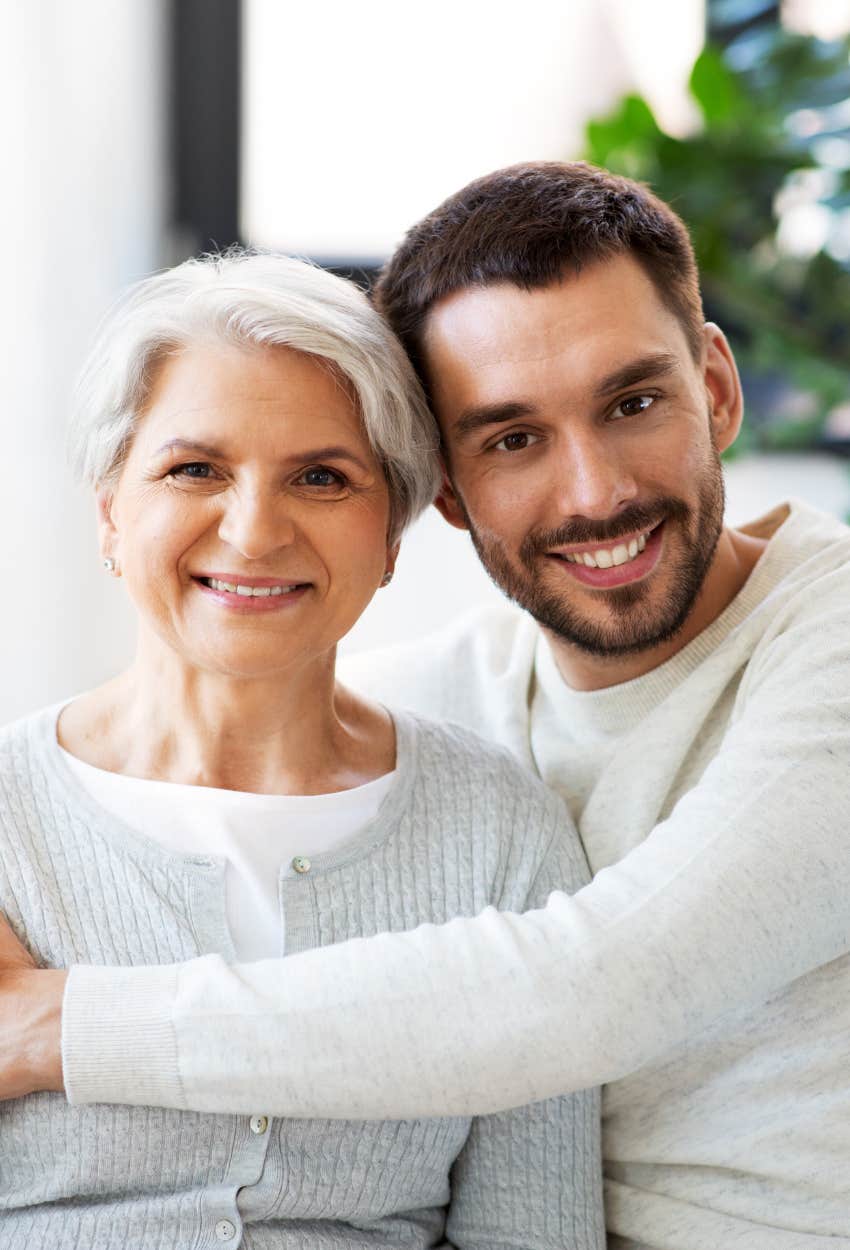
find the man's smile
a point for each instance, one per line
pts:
(614, 563)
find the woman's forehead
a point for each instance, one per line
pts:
(219, 392)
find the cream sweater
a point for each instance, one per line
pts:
(703, 972)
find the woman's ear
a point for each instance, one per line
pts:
(106, 530)
(392, 556)
(723, 385)
(448, 504)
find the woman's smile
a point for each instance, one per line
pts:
(243, 594)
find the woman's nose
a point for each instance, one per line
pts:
(257, 524)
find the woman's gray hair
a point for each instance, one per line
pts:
(256, 300)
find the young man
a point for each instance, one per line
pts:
(686, 687)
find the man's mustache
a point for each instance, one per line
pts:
(634, 519)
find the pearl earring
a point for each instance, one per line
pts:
(109, 564)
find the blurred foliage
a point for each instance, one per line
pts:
(764, 187)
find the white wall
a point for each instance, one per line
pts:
(827, 19)
(360, 118)
(82, 212)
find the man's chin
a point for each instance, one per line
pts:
(622, 620)
(625, 620)
(605, 641)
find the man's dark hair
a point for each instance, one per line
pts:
(529, 225)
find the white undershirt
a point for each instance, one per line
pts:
(258, 835)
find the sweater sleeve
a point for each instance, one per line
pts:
(740, 891)
(531, 1178)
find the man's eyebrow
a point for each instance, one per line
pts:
(654, 366)
(472, 419)
(481, 415)
(312, 454)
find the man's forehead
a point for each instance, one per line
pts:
(615, 285)
(500, 344)
(500, 325)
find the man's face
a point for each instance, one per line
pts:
(582, 445)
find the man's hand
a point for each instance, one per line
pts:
(30, 1021)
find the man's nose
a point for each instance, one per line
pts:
(592, 478)
(256, 523)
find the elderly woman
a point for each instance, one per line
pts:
(257, 443)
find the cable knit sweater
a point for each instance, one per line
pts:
(463, 827)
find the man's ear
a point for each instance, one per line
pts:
(723, 385)
(447, 504)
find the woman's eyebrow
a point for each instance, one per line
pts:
(188, 444)
(645, 367)
(331, 452)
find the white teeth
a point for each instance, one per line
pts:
(605, 558)
(246, 591)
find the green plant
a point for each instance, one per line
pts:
(772, 155)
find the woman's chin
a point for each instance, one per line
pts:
(272, 659)
(279, 666)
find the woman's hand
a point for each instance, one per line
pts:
(30, 1021)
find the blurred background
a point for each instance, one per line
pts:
(138, 133)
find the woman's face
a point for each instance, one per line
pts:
(250, 471)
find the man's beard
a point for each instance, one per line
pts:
(637, 619)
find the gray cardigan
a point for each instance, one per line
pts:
(463, 827)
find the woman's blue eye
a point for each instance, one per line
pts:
(196, 469)
(320, 476)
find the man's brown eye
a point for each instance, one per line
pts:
(637, 404)
(514, 442)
